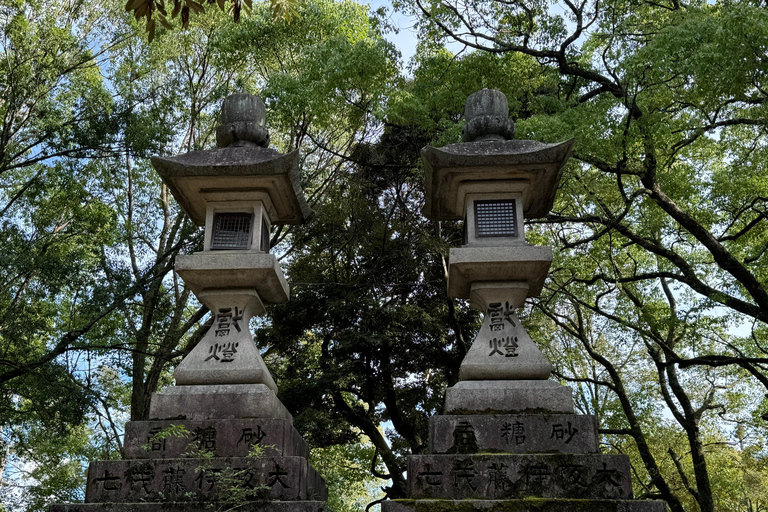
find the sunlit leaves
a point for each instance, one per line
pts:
(347, 470)
(157, 10)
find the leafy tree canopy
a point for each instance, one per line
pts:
(655, 309)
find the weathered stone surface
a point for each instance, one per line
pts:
(525, 263)
(242, 122)
(503, 295)
(526, 505)
(224, 438)
(278, 478)
(502, 350)
(226, 354)
(236, 168)
(192, 506)
(514, 476)
(525, 166)
(487, 117)
(224, 270)
(524, 433)
(508, 396)
(227, 401)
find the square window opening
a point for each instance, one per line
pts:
(232, 231)
(495, 218)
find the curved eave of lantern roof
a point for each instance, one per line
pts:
(529, 166)
(236, 169)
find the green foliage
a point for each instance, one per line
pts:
(346, 468)
(55, 223)
(155, 10)
(323, 76)
(656, 305)
(169, 431)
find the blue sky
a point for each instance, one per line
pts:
(405, 39)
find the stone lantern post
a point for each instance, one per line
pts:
(509, 439)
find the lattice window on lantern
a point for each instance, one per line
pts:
(495, 218)
(232, 231)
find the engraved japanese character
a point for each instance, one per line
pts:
(573, 475)
(227, 352)
(248, 477)
(108, 482)
(499, 478)
(433, 478)
(464, 473)
(513, 432)
(498, 314)
(464, 440)
(274, 477)
(173, 482)
(225, 319)
(508, 343)
(205, 438)
(208, 476)
(560, 432)
(155, 444)
(141, 476)
(610, 476)
(536, 473)
(249, 436)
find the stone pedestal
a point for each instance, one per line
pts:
(548, 460)
(210, 460)
(511, 443)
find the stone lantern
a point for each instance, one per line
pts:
(509, 439)
(224, 398)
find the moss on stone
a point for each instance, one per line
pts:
(475, 412)
(529, 505)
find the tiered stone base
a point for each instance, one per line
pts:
(538, 456)
(204, 459)
(192, 506)
(524, 505)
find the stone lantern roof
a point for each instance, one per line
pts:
(527, 166)
(490, 161)
(242, 163)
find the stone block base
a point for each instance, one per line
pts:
(191, 506)
(508, 396)
(226, 401)
(223, 438)
(277, 478)
(517, 476)
(526, 505)
(505, 433)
